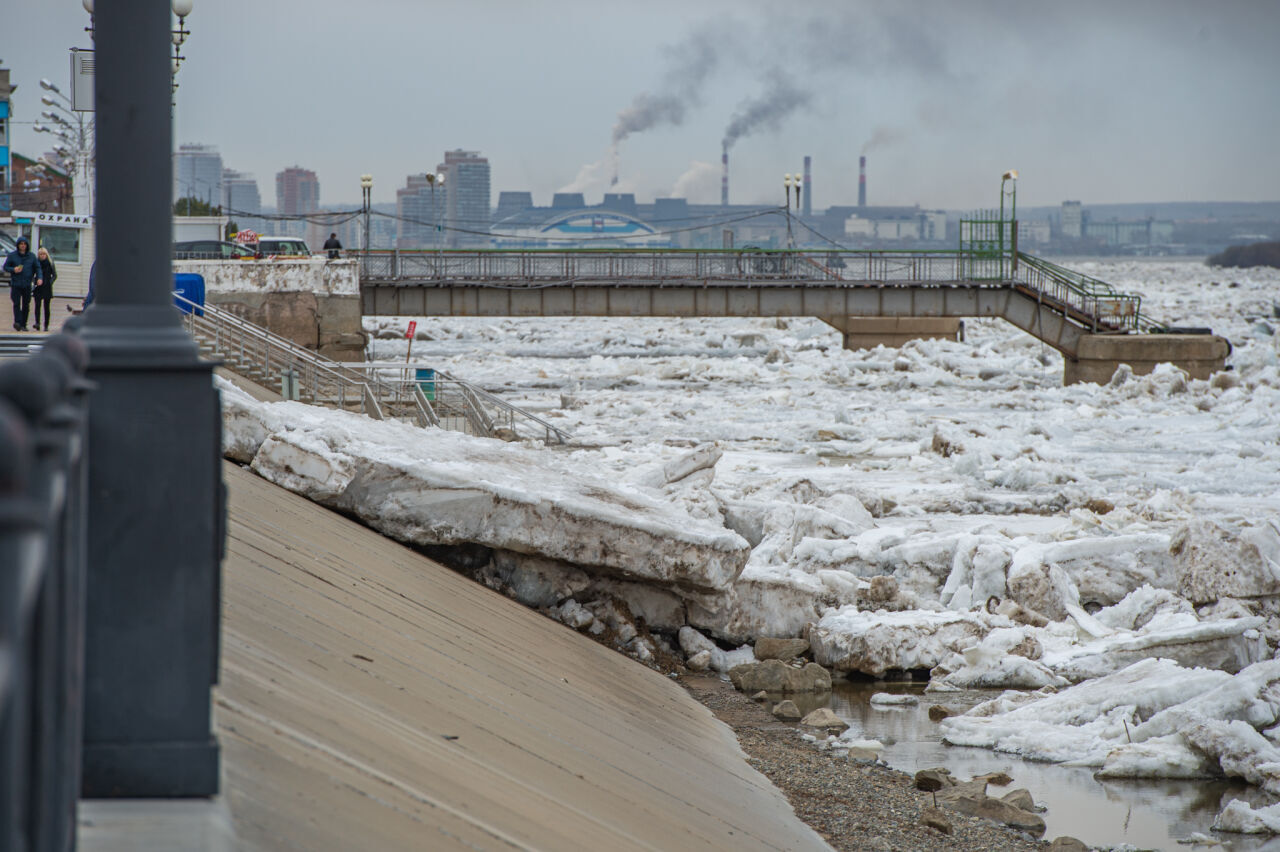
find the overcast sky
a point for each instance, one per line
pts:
(1116, 101)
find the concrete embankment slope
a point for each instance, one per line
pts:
(372, 699)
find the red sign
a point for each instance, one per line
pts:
(413, 326)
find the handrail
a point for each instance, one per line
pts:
(324, 381)
(43, 444)
(472, 395)
(1102, 307)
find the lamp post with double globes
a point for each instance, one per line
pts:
(366, 194)
(434, 178)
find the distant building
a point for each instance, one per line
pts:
(241, 200)
(1072, 220)
(6, 167)
(902, 224)
(1033, 231)
(539, 227)
(38, 186)
(511, 203)
(297, 195)
(197, 173)
(416, 213)
(1129, 233)
(466, 199)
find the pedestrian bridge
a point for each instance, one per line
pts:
(1084, 318)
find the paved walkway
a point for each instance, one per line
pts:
(371, 699)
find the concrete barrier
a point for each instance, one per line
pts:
(314, 302)
(1201, 355)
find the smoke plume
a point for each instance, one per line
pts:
(780, 98)
(882, 136)
(700, 184)
(690, 63)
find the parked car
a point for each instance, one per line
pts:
(282, 247)
(211, 250)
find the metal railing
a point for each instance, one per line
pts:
(378, 390)
(1087, 301)
(1094, 303)
(266, 356)
(43, 405)
(444, 396)
(646, 266)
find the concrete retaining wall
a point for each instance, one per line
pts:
(312, 301)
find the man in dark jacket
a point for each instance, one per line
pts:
(24, 276)
(334, 247)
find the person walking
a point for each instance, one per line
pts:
(43, 293)
(334, 247)
(24, 274)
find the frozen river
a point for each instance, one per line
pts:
(939, 440)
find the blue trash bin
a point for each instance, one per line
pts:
(190, 286)
(426, 379)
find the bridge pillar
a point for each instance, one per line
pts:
(1098, 355)
(870, 332)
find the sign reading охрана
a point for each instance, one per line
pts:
(62, 220)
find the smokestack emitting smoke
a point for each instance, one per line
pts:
(862, 181)
(808, 187)
(779, 99)
(724, 178)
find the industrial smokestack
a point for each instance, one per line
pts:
(808, 187)
(862, 181)
(724, 179)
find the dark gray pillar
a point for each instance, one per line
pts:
(155, 487)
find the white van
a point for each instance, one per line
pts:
(282, 247)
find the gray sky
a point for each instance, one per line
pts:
(1117, 101)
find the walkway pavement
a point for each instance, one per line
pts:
(371, 699)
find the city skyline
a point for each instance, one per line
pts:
(1107, 103)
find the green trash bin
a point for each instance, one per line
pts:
(426, 379)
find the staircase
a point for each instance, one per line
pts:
(380, 391)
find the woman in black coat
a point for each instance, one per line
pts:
(42, 294)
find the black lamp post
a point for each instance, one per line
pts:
(156, 503)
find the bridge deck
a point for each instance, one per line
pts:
(1047, 301)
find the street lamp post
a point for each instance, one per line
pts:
(434, 178)
(366, 193)
(156, 505)
(786, 192)
(1010, 176)
(79, 139)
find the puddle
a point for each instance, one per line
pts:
(1143, 814)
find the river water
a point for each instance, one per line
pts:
(1143, 814)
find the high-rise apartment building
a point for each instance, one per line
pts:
(197, 173)
(297, 194)
(241, 199)
(1072, 221)
(467, 209)
(416, 215)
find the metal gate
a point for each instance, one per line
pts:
(987, 247)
